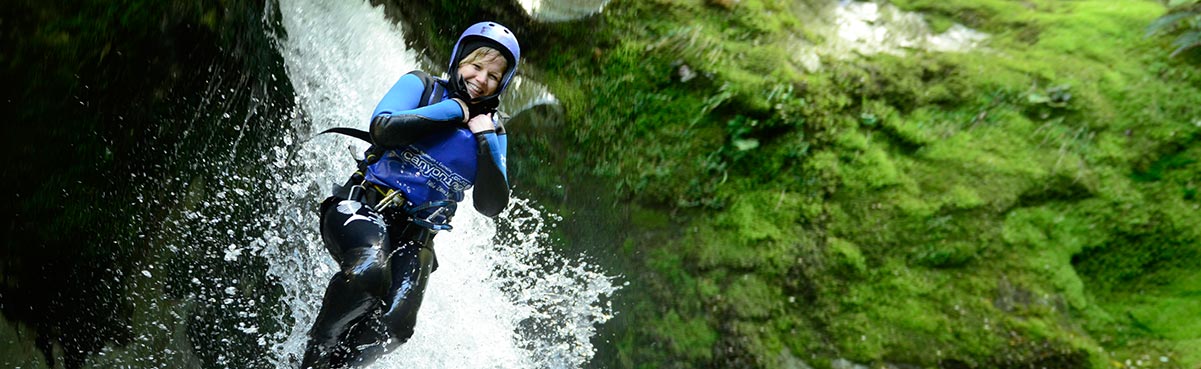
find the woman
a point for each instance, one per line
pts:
(432, 140)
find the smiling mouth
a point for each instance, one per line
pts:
(475, 90)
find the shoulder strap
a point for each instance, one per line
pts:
(436, 91)
(427, 95)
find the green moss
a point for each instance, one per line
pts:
(756, 233)
(946, 254)
(688, 338)
(971, 205)
(846, 257)
(19, 349)
(669, 265)
(649, 219)
(753, 298)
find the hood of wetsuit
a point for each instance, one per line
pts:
(484, 34)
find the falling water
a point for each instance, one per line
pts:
(562, 10)
(497, 300)
(852, 28)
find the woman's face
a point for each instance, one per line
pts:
(482, 75)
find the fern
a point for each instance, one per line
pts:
(1184, 21)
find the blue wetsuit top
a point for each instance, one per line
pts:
(430, 155)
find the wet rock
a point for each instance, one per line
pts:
(685, 73)
(846, 364)
(787, 360)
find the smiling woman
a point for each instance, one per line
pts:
(491, 293)
(379, 227)
(482, 70)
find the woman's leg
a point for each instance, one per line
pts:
(411, 266)
(359, 241)
(410, 275)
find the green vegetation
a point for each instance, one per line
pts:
(1183, 20)
(1031, 204)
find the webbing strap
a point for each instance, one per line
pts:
(433, 90)
(352, 132)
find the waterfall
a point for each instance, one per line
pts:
(561, 10)
(496, 301)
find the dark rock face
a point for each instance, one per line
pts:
(106, 106)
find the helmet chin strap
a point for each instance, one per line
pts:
(460, 91)
(460, 88)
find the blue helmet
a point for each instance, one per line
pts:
(490, 34)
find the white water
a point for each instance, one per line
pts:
(870, 28)
(507, 303)
(852, 28)
(561, 10)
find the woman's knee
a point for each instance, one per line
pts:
(368, 269)
(400, 330)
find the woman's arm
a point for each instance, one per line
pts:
(491, 183)
(397, 121)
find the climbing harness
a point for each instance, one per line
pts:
(433, 215)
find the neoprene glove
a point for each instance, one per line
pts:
(482, 107)
(474, 107)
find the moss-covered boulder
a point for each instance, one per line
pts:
(1030, 203)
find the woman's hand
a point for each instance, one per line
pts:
(471, 109)
(481, 123)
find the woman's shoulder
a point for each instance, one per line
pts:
(419, 73)
(426, 79)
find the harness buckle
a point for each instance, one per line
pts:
(356, 193)
(393, 198)
(438, 220)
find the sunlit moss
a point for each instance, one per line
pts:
(931, 209)
(846, 257)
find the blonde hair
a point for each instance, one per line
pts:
(483, 55)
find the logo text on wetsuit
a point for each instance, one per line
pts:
(436, 171)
